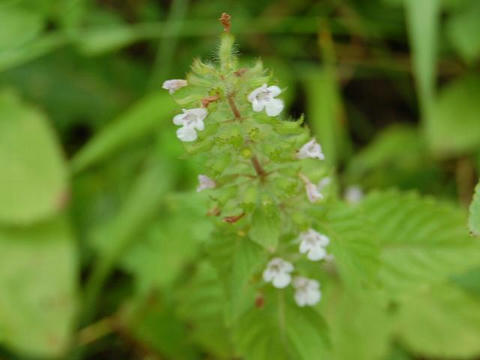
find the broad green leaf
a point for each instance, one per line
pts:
(33, 180)
(324, 112)
(469, 281)
(200, 303)
(386, 162)
(38, 281)
(168, 245)
(359, 325)
(266, 226)
(144, 117)
(153, 322)
(463, 28)
(440, 322)
(423, 23)
(354, 246)
(474, 219)
(422, 241)
(455, 128)
(236, 260)
(281, 330)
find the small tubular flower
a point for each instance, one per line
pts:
(263, 97)
(313, 243)
(314, 191)
(190, 120)
(204, 182)
(307, 291)
(173, 85)
(278, 273)
(312, 150)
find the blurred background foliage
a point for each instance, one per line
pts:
(96, 198)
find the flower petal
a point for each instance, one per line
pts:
(281, 280)
(274, 107)
(179, 119)
(316, 253)
(257, 105)
(187, 134)
(274, 90)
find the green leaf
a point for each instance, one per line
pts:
(440, 322)
(455, 128)
(359, 325)
(463, 28)
(469, 281)
(266, 226)
(144, 117)
(33, 180)
(236, 260)
(201, 302)
(423, 23)
(153, 322)
(38, 281)
(353, 245)
(168, 245)
(474, 219)
(281, 330)
(422, 241)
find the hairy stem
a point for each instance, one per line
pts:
(233, 106)
(255, 162)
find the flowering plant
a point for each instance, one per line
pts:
(260, 170)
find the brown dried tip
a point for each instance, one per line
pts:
(233, 219)
(225, 20)
(209, 99)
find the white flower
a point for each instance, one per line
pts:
(311, 149)
(314, 191)
(264, 98)
(307, 291)
(190, 120)
(353, 194)
(313, 243)
(278, 272)
(174, 84)
(204, 182)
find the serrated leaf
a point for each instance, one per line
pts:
(266, 226)
(474, 218)
(201, 304)
(33, 179)
(153, 322)
(38, 281)
(236, 259)
(469, 281)
(360, 327)
(454, 127)
(422, 241)
(440, 322)
(168, 245)
(353, 245)
(281, 330)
